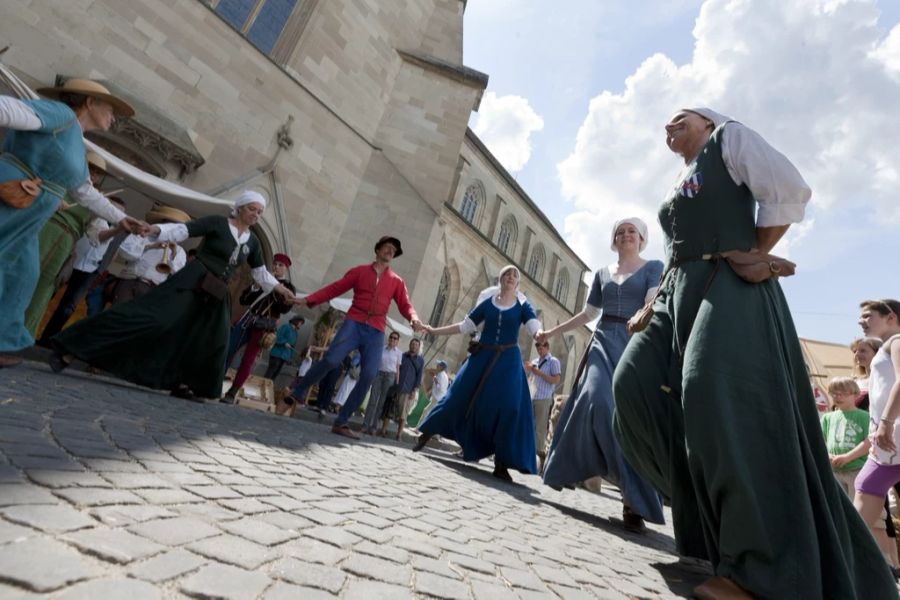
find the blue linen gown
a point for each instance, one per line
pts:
(56, 154)
(584, 444)
(501, 421)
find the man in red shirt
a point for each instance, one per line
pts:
(374, 285)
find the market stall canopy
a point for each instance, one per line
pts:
(343, 305)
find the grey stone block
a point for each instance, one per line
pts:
(438, 567)
(286, 591)
(332, 535)
(285, 520)
(116, 545)
(554, 575)
(174, 532)
(25, 493)
(377, 569)
(167, 566)
(247, 506)
(11, 533)
(418, 547)
(49, 518)
(311, 575)
(43, 564)
(224, 582)
(57, 479)
(112, 588)
(441, 587)
(117, 516)
(362, 589)
(167, 496)
(386, 551)
(259, 531)
(522, 579)
(233, 550)
(213, 492)
(98, 496)
(482, 590)
(309, 550)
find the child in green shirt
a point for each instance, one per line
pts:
(845, 429)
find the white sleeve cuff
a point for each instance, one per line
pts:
(591, 312)
(15, 114)
(263, 279)
(97, 203)
(773, 215)
(532, 326)
(467, 325)
(172, 232)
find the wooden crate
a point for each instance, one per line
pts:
(258, 392)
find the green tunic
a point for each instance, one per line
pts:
(56, 241)
(715, 408)
(175, 334)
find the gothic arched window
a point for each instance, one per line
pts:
(468, 208)
(536, 263)
(509, 231)
(561, 289)
(440, 303)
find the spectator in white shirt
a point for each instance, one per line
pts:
(388, 375)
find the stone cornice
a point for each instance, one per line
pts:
(460, 73)
(147, 138)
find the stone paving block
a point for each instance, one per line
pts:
(97, 496)
(259, 531)
(224, 582)
(554, 575)
(310, 550)
(10, 474)
(323, 517)
(133, 481)
(57, 479)
(377, 536)
(311, 575)
(167, 566)
(247, 506)
(188, 478)
(116, 545)
(332, 535)
(362, 589)
(50, 518)
(236, 479)
(503, 560)
(609, 594)
(568, 593)
(285, 520)
(113, 466)
(438, 567)
(11, 533)
(117, 516)
(161, 466)
(167, 496)
(8, 592)
(233, 550)
(397, 555)
(284, 503)
(535, 595)
(45, 463)
(112, 588)
(441, 587)
(206, 511)
(367, 518)
(286, 591)
(174, 532)
(213, 492)
(43, 564)
(418, 547)
(209, 468)
(472, 564)
(377, 569)
(25, 493)
(252, 490)
(630, 589)
(522, 579)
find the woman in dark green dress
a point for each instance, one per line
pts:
(175, 336)
(713, 402)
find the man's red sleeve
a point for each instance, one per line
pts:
(333, 290)
(401, 297)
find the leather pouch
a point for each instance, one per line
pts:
(754, 267)
(20, 193)
(212, 286)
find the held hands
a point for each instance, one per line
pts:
(285, 293)
(542, 336)
(417, 325)
(299, 301)
(839, 460)
(136, 226)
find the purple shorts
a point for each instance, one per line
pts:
(875, 479)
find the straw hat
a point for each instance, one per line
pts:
(163, 214)
(86, 87)
(96, 160)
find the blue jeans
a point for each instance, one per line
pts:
(351, 336)
(95, 300)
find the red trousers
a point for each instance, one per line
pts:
(251, 351)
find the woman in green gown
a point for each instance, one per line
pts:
(175, 337)
(713, 401)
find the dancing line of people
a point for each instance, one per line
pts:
(693, 390)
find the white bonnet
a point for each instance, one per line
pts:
(638, 224)
(248, 197)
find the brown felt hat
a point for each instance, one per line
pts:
(167, 214)
(86, 87)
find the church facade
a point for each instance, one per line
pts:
(349, 116)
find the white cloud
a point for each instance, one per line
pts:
(817, 78)
(505, 125)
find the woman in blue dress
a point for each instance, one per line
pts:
(46, 140)
(584, 445)
(487, 409)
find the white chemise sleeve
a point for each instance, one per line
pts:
(591, 311)
(467, 326)
(15, 114)
(88, 196)
(774, 181)
(172, 232)
(263, 279)
(532, 326)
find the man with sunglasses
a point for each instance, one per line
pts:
(546, 371)
(374, 285)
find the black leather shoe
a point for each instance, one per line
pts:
(57, 361)
(184, 392)
(633, 522)
(421, 442)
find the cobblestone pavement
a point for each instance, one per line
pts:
(113, 491)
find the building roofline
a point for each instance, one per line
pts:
(511, 182)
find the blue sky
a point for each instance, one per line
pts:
(587, 86)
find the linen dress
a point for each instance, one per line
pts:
(175, 333)
(56, 154)
(501, 421)
(715, 408)
(584, 444)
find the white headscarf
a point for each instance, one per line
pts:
(716, 118)
(248, 197)
(638, 224)
(490, 292)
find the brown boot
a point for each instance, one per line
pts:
(8, 360)
(720, 588)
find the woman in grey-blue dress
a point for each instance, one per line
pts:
(584, 445)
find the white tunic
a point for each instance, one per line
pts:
(881, 380)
